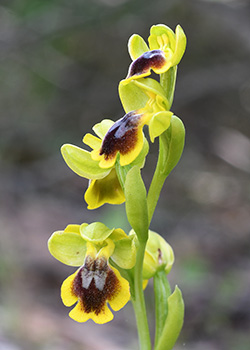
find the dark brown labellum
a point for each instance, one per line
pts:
(148, 60)
(122, 136)
(95, 284)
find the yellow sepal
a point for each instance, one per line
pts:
(67, 294)
(123, 294)
(79, 315)
(106, 190)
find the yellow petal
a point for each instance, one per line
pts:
(137, 76)
(78, 314)
(123, 295)
(164, 68)
(102, 128)
(103, 317)
(107, 163)
(129, 157)
(73, 229)
(95, 154)
(92, 141)
(106, 190)
(67, 294)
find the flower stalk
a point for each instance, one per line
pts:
(139, 301)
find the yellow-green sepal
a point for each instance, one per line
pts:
(132, 96)
(95, 232)
(159, 123)
(81, 163)
(136, 46)
(135, 94)
(180, 45)
(136, 203)
(173, 323)
(124, 254)
(102, 128)
(67, 247)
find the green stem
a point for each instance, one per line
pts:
(157, 182)
(167, 81)
(139, 301)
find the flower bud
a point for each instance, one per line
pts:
(158, 256)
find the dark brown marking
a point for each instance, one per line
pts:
(122, 136)
(101, 285)
(148, 60)
(159, 256)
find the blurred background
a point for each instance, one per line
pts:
(60, 65)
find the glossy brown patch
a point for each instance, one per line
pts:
(122, 136)
(148, 60)
(95, 284)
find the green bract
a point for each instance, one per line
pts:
(173, 143)
(174, 321)
(136, 203)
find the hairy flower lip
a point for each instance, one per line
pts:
(92, 287)
(122, 136)
(154, 59)
(94, 284)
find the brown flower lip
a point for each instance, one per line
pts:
(95, 284)
(122, 136)
(150, 59)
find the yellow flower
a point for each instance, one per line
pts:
(92, 286)
(96, 283)
(165, 50)
(99, 165)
